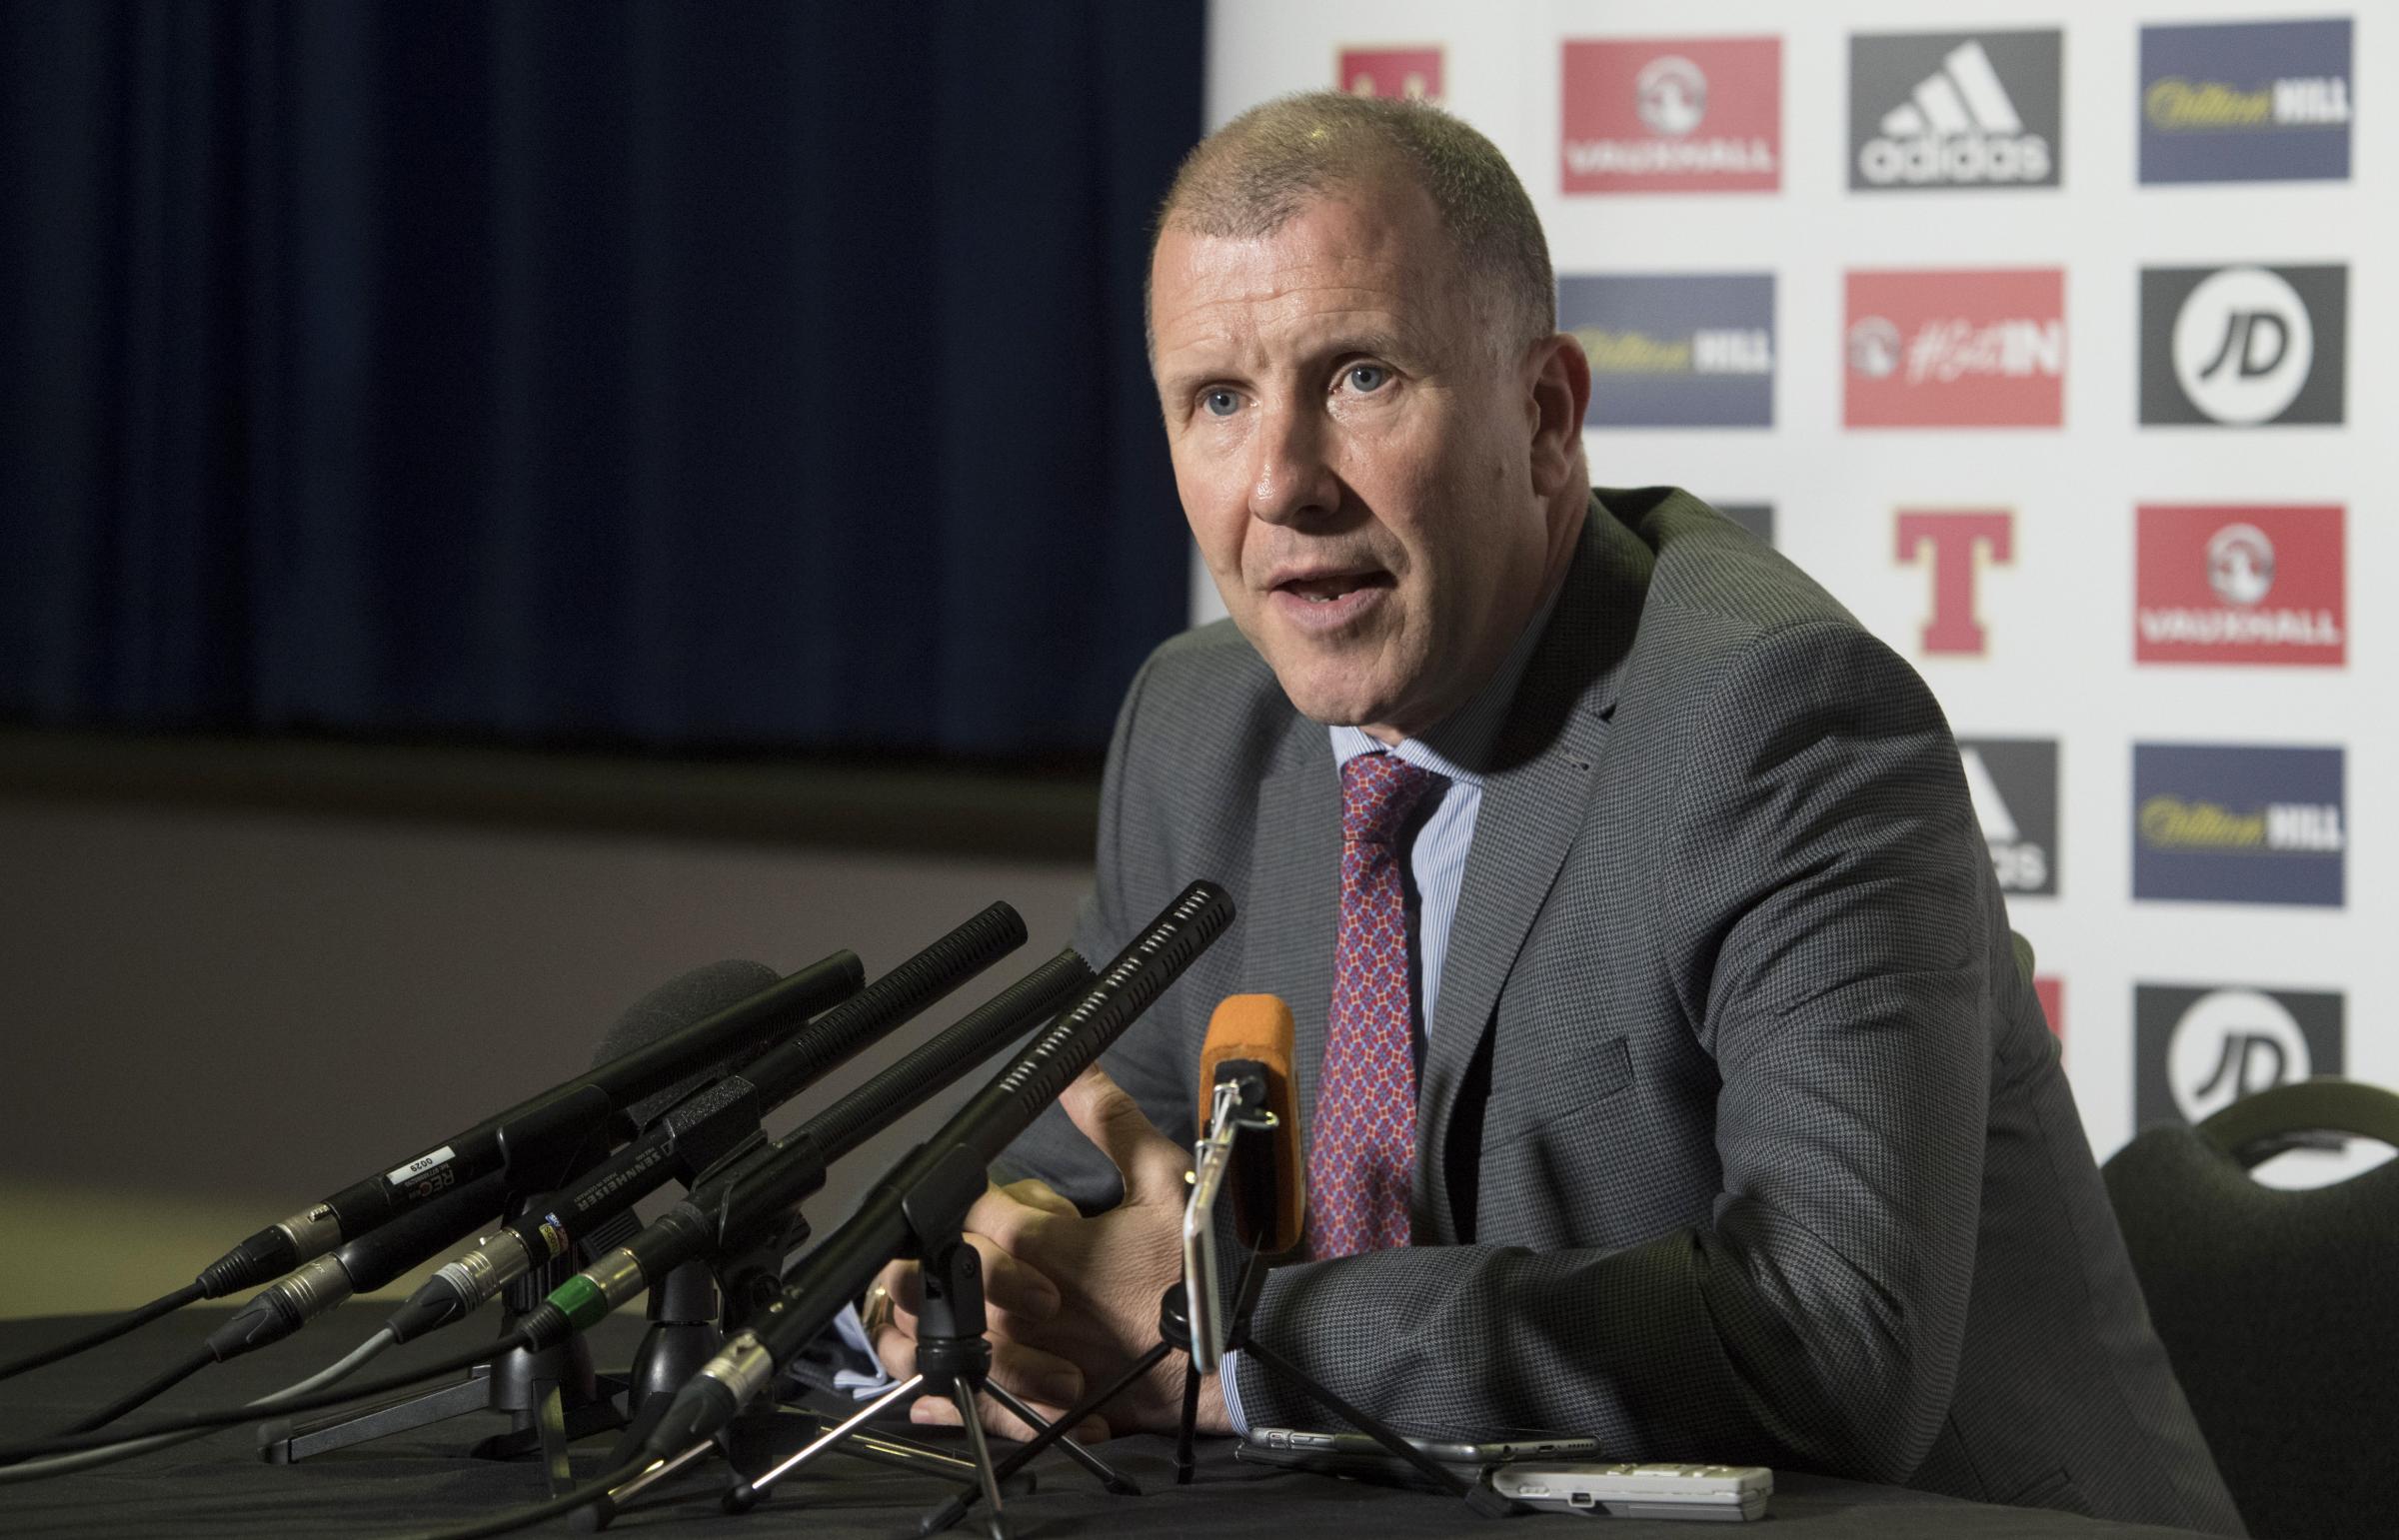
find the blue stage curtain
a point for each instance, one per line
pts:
(658, 374)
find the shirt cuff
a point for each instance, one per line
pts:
(1229, 1377)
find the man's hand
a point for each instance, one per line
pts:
(1083, 1294)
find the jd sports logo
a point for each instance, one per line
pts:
(2201, 1049)
(2244, 346)
(1955, 110)
(2014, 786)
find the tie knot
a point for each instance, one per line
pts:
(1378, 790)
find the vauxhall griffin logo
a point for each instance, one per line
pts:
(2240, 564)
(1955, 110)
(2202, 1050)
(2243, 346)
(1671, 95)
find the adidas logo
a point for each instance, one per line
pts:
(1959, 126)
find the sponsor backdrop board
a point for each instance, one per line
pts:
(2057, 341)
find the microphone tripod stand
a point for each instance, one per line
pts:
(1174, 1334)
(689, 1318)
(551, 1398)
(954, 1358)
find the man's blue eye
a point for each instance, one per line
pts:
(1368, 377)
(1220, 403)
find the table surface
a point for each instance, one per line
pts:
(424, 1479)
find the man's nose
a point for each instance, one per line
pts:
(1291, 478)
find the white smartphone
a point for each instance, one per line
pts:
(1729, 1493)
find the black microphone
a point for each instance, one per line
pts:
(714, 1121)
(531, 1136)
(374, 1259)
(738, 1206)
(933, 1185)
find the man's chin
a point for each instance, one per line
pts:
(1335, 708)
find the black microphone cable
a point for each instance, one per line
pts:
(290, 1400)
(107, 1331)
(126, 1449)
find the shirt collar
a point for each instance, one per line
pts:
(1464, 736)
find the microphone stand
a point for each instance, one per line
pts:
(954, 1357)
(551, 1398)
(690, 1318)
(1239, 1108)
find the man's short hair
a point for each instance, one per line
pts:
(1246, 180)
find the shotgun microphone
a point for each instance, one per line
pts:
(533, 1133)
(928, 1192)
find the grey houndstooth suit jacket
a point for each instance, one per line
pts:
(1740, 1135)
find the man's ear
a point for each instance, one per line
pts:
(1557, 378)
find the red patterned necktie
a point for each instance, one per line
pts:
(1361, 1156)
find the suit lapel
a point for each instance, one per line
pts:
(1537, 793)
(1295, 893)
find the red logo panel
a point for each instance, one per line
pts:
(1404, 72)
(2052, 993)
(2238, 584)
(1956, 544)
(1958, 349)
(1677, 115)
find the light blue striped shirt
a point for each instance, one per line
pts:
(1436, 858)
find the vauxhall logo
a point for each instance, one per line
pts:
(2200, 1049)
(2243, 346)
(1955, 110)
(2241, 584)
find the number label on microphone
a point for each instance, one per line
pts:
(402, 1175)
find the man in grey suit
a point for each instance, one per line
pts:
(1729, 1128)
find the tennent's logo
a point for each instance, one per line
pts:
(2240, 583)
(2015, 785)
(2239, 824)
(1691, 115)
(1955, 110)
(1955, 545)
(1411, 73)
(1687, 350)
(1956, 348)
(2246, 102)
(2244, 346)
(2201, 1049)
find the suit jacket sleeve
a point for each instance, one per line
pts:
(1145, 1060)
(1821, 899)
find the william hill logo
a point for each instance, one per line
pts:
(1710, 351)
(2176, 104)
(2239, 824)
(2173, 823)
(2246, 102)
(1683, 350)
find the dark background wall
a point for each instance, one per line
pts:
(504, 502)
(682, 375)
